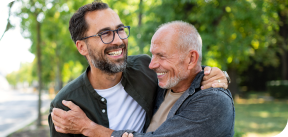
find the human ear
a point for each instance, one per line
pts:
(193, 59)
(82, 47)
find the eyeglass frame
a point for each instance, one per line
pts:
(99, 34)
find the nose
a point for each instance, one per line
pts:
(154, 63)
(117, 40)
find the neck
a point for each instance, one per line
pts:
(101, 80)
(184, 84)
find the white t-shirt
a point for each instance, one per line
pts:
(123, 111)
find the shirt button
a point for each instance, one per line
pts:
(102, 99)
(103, 110)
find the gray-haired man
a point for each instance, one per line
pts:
(116, 91)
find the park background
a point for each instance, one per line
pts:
(247, 38)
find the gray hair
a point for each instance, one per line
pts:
(188, 37)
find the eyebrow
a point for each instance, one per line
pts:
(108, 28)
(160, 54)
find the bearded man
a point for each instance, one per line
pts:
(115, 91)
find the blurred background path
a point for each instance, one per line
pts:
(18, 109)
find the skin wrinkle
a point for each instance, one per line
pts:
(170, 58)
(188, 37)
(177, 57)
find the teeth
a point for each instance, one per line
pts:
(115, 53)
(159, 74)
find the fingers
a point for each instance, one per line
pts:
(220, 85)
(207, 70)
(61, 130)
(58, 129)
(55, 118)
(70, 105)
(57, 126)
(212, 72)
(206, 85)
(215, 84)
(58, 121)
(213, 77)
(125, 134)
(58, 112)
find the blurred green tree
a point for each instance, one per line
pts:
(32, 14)
(235, 34)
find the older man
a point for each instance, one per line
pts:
(183, 109)
(115, 91)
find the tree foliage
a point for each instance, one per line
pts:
(236, 35)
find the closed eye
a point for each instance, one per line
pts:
(121, 29)
(105, 33)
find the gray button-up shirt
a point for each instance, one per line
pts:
(197, 113)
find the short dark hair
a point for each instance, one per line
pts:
(77, 24)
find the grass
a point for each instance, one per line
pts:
(258, 117)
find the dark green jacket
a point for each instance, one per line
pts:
(138, 80)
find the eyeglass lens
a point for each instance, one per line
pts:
(108, 37)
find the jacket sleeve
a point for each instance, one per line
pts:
(204, 114)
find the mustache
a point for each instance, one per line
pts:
(159, 70)
(115, 47)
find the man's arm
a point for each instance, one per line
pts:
(209, 113)
(212, 75)
(75, 121)
(205, 114)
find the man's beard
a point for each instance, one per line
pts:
(172, 82)
(104, 64)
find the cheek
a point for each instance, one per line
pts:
(125, 41)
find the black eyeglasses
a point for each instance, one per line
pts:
(107, 36)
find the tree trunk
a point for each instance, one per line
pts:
(141, 46)
(284, 36)
(59, 82)
(233, 87)
(284, 66)
(39, 72)
(140, 13)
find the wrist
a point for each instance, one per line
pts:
(89, 129)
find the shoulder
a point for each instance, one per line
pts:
(66, 91)
(214, 106)
(217, 100)
(214, 103)
(139, 75)
(139, 65)
(209, 109)
(216, 94)
(138, 60)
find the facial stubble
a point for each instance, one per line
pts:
(103, 63)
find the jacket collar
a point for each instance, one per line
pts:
(196, 82)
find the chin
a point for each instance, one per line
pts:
(162, 85)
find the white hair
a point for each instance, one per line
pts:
(188, 37)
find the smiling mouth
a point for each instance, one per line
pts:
(161, 73)
(115, 53)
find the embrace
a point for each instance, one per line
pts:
(169, 94)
